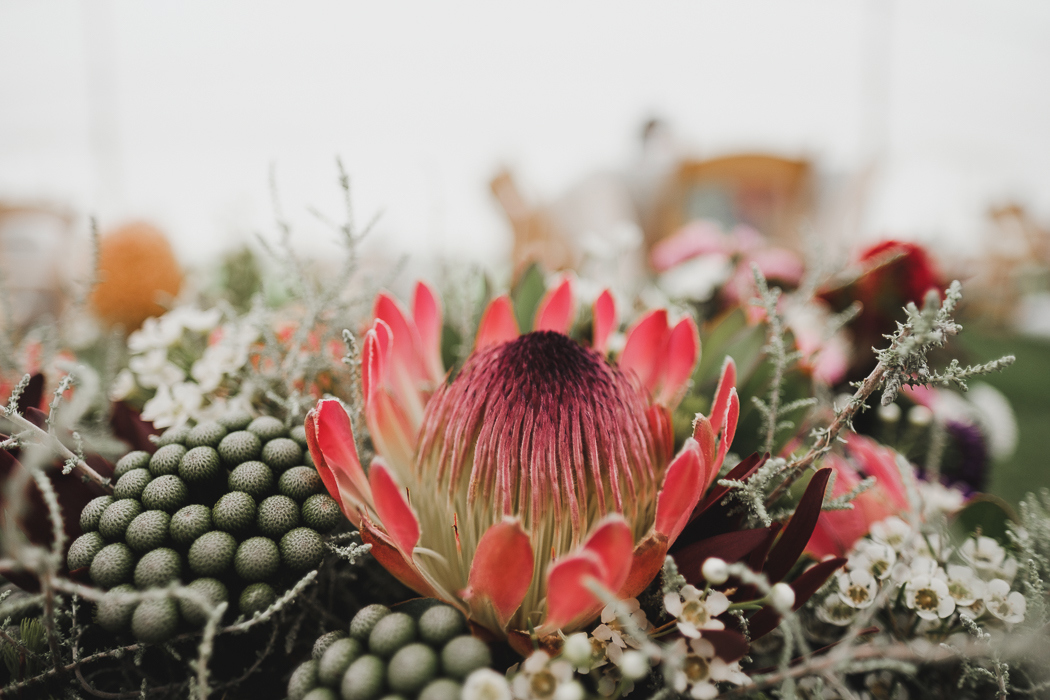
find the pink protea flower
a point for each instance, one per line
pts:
(542, 466)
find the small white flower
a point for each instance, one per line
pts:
(715, 571)
(938, 500)
(696, 611)
(892, 531)
(173, 406)
(539, 678)
(857, 588)
(578, 651)
(782, 596)
(989, 558)
(154, 370)
(1007, 606)
(964, 586)
(834, 611)
(155, 334)
(486, 684)
(928, 596)
(123, 385)
(192, 318)
(696, 669)
(611, 637)
(634, 665)
(877, 559)
(931, 547)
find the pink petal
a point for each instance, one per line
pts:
(394, 511)
(331, 481)
(683, 350)
(333, 437)
(612, 543)
(393, 560)
(646, 562)
(568, 598)
(406, 347)
(726, 382)
(732, 416)
(501, 572)
(426, 312)
(683, 485)
(604, 312)
(704, 434)
(645, 349)
(556, 309)
(697, 238)
(374, 359)
(498, 324)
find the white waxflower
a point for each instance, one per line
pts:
(938, 500)
(715, 571)
(875, 558)
(892, 531)
(695, 669)
(782, 596)
(964, 585)
(155, 334)
(486, 684)
(539, 678)
(834, 611)
(696, 611)
(989, 558)
(122, 386)
(931, 546)
(634, 665)
(173, 406)
(928, 596)
(153, 369)
(192, 318)
(611, 637)
(578, 651)
(1007, 606)
(858, 588)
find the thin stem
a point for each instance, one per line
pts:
(56, 444)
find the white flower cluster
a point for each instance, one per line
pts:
(931, 578)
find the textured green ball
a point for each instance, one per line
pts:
(298, 433)
(440, 624)
(321, 512)
(93, 511)
(302, 549)
(276, 516)
(83, 550)
(321, 694)
(441, 689)
(364, 679)
(167, 493)
(113, 615)
(212, 590)
(303, 680)
(173, 436)
(411, 668)
(325, 641)
(132, 484)
(257, 559)
(113, 565)
(391, 633)
(267, 428)
(166, 460)
(138, 459)
(257, 598)
(148, 530)
(337, 659)
(189, 523)
(155, 621)
(158, 568)
(254, 478)
(282, 453)
(463, 655)
(365, 620)
(212, 553)
(115, 520)
(200, 465)
(236, 419)
(238, 447)
(208, 433)
(300, 483)
(234, 512)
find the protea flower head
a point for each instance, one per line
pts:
(542, 467)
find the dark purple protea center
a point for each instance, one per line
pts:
(541, 426)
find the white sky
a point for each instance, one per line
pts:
(176, 111)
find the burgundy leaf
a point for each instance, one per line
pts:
(731, 546)
(32, 394)
(37, 417)
(729, 645)
(766, 619)
(710, 517)
(796, 534)
(128, 425)
(758, 556)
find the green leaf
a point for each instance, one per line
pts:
(526, 296)
(987, 513)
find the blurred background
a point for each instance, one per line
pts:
(561, 133)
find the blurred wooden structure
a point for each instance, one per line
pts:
(1016, 256)
(536, 236)
(36, 250)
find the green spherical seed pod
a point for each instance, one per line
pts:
(298, 433)
(441, 689)
(241, 446)
(138, 459)
(234, 512)
(212, 553)
(276, 516)
(167, 493)
(206, 434)
(303, 680)
(200, 465)
(282, 453)
(391, 633)
(254, 478)
(463, 655)
(131, 484)
(365, 620)
(212, 590)
(411, 668)
(256, 598)
(113, 615)
(337, 659)
(158, 568)
(113, 565)
(166, 460)
(267, 428)
(93, 511)
(440, 624)
(189, 523)
(321, 694)
(155, 621)
(321, 512)
(83, 550)
(148, 530)
(300, 483)
(364, 679)
(173, 436)
(236, 419)
(257, 559)
(114, 522)
(302, 549)
(325, 641)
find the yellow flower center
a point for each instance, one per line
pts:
(696, 669)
